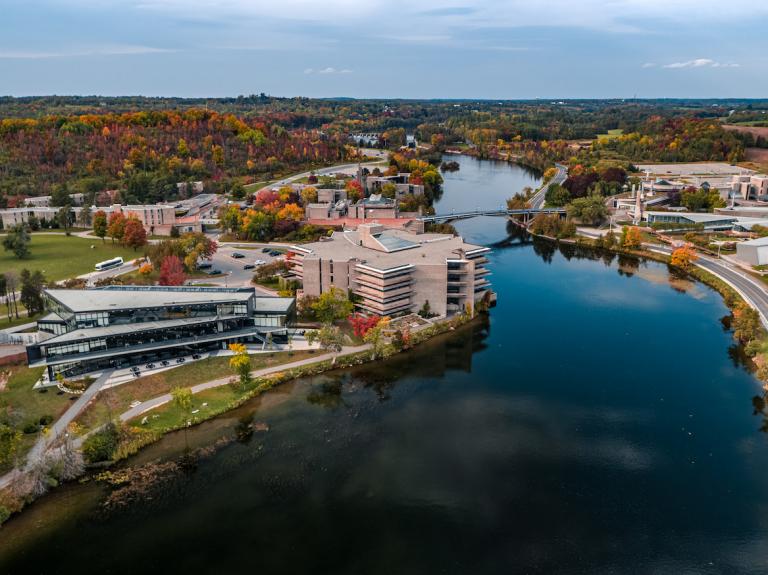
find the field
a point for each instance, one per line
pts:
(754, 130)
(62, 257)
(118, 399)
(25, 405)
(610, 135)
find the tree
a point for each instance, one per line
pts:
(631, 238)
(237, 191)
(12, 284)
(291, 212)
(517, 202)
(375, 337)
(146, 269)
(309, 195)
(332, 305)
(32, 291)
(590, 210)
(100, 224)
(116, 227)
(134, 234)
(10, 440)
(240, 363)
(746, 323)
(60, 196)
(361, 324)
(231, 218)
(172, 272)
(389, 190)
(330, 338)
(17, 241)
(557, 195)
(64, 217)
(182, 399)
(426, 310)
(84, 217)
(354, 190)
(683, 257)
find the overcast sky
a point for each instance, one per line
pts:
(386, 48)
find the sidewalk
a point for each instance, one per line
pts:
(165, 398)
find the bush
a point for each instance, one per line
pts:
(102, 445)
(4, 514)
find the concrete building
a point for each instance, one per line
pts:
(158, 219)
(753, 252)
(403, 186)
(750, 187)
(394, 271)
(45, 201)
(119, 326)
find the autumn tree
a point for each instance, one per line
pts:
(134, 234)
(354, 190)
(309, 195)
(330, 338)
(375, 337)
(240, 363)
(362, 324)
(631, 238)
(172, 272)
(116, 226)
(291, 212)
(683, 257)
(746, 323)
(100, 224)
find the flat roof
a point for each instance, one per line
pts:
(128, 298)
(757, 242)
(110, 330)
(428, 249)
(695, 217)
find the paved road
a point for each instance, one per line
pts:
(750, 289)
(537, 201)
(371, 153)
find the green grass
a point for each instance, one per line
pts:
(23, 404)
(62, 257)
(23, 318)
(118, 399)
(610, 135)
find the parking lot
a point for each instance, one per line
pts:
(232, 270)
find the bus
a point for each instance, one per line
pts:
(109, 264)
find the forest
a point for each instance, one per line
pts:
(144, 146)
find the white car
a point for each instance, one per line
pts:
(259, 262)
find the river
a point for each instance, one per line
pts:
(600, 421)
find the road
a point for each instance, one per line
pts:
(537, 201)
(371, 153)
(750, 289)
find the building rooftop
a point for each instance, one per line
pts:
(756, 242)
(422, 249)
(695, 217)
(136, 297)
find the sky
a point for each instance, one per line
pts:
(489, 49)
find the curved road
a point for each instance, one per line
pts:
(749, 288)
(537, 200)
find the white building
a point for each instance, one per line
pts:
(754, 252)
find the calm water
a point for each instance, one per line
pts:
(600, 422)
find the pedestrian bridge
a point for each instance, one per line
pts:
(527, 213)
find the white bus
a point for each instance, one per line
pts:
(109, 264)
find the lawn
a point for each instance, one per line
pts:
(62, 257)
(4, 323)
(118, 399)
(610, 135)
(24, 405)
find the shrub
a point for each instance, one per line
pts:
(101, 445)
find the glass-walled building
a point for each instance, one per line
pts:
(120, 326)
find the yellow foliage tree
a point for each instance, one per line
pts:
(683, 257)
(240, 363)
(291, 212)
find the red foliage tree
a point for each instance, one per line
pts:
(362, 324)
(266, 197)
(116, 226)
(134, 234)
(172, 272)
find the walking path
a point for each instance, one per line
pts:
(151, 404)
(57, 429)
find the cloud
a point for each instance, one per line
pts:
(81, 52)
(648, 65)
(700, 63)
(328, 70)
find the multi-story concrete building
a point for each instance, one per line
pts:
(750, 187)
(118, 326)
(394, 271)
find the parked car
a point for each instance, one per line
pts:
(266, 250)
(259, 262)
(237, 255)
(214, 273)
(165, 363)
(205, 266)
(249, 266)
(150, 366)
(275, 253)
(181, 360)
